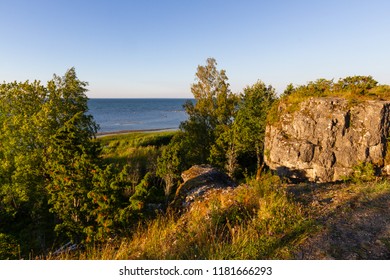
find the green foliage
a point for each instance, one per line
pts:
(105, 199)
(139, 150)
(223, 153)
(250, 121)
(52, 175)
(71, 161)
(122, 191)
(146, 191)
(214, 108)
(111, 210)
(44, 136)
(363, 172)
(289, 89)
(21, 149)
(169, 165)
(355, 89)
(9, 247)
(358, 85)
(241, 144)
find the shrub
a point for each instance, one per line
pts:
(355, 89)
(9, 247)
(363, 172)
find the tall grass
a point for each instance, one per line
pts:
(257, 220)
(138, 150)
(254, 221)
(138, 145)
(137, 139)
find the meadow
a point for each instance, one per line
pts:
(139, 147)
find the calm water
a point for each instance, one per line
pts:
(137, 114)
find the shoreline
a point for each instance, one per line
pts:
(119, 132)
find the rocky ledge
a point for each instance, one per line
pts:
(326, 137)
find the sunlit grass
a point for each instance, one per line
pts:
(137, 139)
(254, 221)
(258, 220)
(134, 147)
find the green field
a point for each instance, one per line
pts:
(133, 146)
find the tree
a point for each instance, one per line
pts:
(168, 166)
(224, 152)
(357, 84)
(289, 90)
(46, 142)
(72, 155)
(23, 201)
(70, 165)
(250, 121)
(214, 108)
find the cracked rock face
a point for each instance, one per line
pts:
(327, 137)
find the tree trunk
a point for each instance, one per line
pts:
(259, 171)
(260, 163)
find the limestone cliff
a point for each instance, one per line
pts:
(326, 137)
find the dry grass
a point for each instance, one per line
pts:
(265, 220)
(254, 221)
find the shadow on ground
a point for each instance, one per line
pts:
(354, 224)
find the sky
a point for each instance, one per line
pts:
(151, 49)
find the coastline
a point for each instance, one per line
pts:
(119, 132)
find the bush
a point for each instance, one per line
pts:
(9, 247)
(355, 89)
(363, 172)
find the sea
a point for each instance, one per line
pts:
(115, 115)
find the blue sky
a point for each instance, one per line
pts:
(152, 48)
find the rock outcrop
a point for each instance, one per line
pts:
(198, 180)
(326, 137)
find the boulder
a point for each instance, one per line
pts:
(326, 137)
(197, 182)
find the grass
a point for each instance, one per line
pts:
(135, 147)
(264, 219)
(256, 220)
(137, 139)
